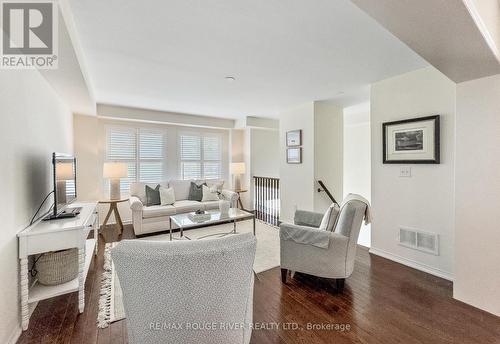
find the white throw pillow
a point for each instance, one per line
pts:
(167, 195)
(328, 220)
(218, 185)
(209, 194)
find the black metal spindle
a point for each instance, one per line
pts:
(267, 199)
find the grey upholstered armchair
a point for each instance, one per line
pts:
(319, 252)
(187, 291)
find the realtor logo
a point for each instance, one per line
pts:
(29, 38)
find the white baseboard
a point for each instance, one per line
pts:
(412, 264)
(14, 337)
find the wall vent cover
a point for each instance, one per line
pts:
(419, 240)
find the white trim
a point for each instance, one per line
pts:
(483, 28)
(412, 264)
(14, 337)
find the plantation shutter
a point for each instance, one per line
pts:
(200, 156)
(212, 157)
(122, 147)
(190, 151)
(142, 150)
(151, 156)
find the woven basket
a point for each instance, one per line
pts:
(57, 267)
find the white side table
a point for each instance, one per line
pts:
(54, 235)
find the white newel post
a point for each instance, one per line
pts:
(23, 274)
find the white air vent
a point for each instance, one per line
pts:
(419, 240)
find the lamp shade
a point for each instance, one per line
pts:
(64, 171)
(238, 168)
(114, 170)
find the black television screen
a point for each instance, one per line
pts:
(64, 181)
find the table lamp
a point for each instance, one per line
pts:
(114, 171)
(237, 169)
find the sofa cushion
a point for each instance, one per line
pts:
(138, 189)
(152, 195)
(330, 218)
(181, 188)
(167, 195)
(187, 206)
(158, 210)
(216, 183)
(210, 194)
(210, 205)
(196, 192)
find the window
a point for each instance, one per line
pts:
(200, 156)
(141, 149)
(151, 157)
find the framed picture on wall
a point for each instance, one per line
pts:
(294, 155)
(294, 138)
(412, 141)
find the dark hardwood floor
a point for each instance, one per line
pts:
(383, 302)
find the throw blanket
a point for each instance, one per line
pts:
(355, 197)
(305, 235)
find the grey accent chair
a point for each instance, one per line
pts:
(172, 290)
(336, 261)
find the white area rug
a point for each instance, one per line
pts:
(267, 257)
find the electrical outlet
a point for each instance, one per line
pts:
(405, 171)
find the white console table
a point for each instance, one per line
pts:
(54, 235)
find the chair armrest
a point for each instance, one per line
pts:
(305, 235)
(230, 196)
(329, 262)
(135, 203)
(307, 218)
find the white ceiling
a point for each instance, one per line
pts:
(451, 35)
(173, 55)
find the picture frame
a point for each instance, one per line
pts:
(412, 141)
(294, 138)
(294, 155)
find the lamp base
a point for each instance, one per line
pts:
(114, 189)
(237, 182)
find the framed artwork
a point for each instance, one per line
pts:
(294, 138)
(411, 141)
(294, 155)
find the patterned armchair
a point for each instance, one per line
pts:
(172, 290)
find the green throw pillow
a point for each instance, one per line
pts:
(152, 196)
(196, 192)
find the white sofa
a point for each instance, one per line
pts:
(156, 218)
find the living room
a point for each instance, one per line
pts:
(253, 172)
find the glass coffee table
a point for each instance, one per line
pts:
(216, 218)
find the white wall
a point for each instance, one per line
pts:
(297, 180)
(357, 158)
(264, 158)
(265, 152)
(322, 130)
(426, 200)
(328, 152)
(90, 146)
(477, 237)
(34, 123)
